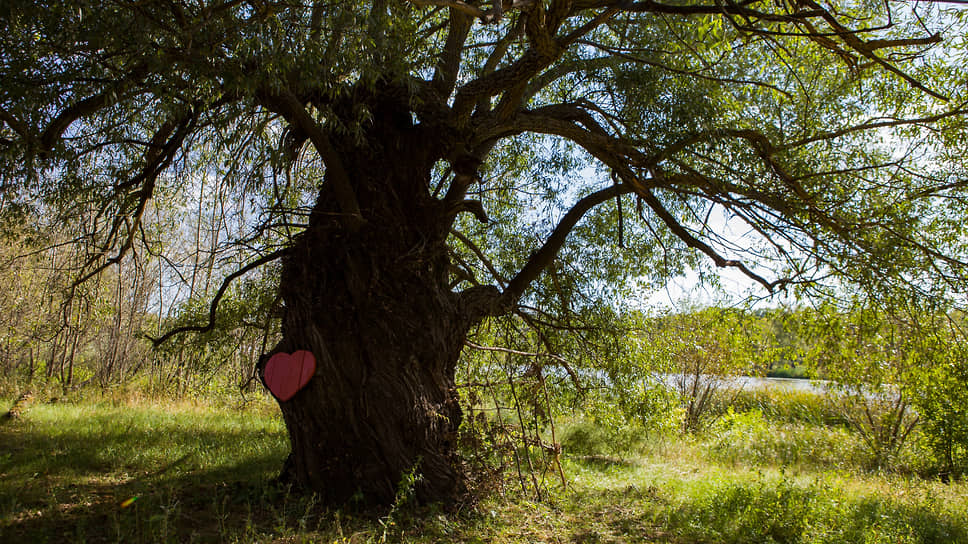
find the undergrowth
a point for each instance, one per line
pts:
(139, 470)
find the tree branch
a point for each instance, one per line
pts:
(293, 110)
(88, 106)
(19, 127)
(960, 110)
(213, 307)
(481, 256)
(683, 234)
(849, 37)
(445, 74)
(545, 255)
(454, 5)
(619, 155)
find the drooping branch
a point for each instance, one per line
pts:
(962, 109)
(546, 254)
(683, 234)
(159, 155)
(292, 109)
(623, 157)
(213, 306)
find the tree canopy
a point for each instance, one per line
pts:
(805, 144)
(830, 131)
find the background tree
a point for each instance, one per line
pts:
(357, 134)
(697, 353)
(871, 355)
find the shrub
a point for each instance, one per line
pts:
(940, 395)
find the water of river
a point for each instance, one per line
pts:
(820, 387)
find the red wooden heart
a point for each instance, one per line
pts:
(286, 374)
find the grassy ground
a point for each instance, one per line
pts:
(202, 473)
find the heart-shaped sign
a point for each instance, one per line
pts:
(286, 374)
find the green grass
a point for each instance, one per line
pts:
(66, 468)
(786, 405)
(203, 473)
(793, 372)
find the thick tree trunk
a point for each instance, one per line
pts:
(373, 306)
(382, 402)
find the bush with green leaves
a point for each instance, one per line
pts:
(939, 389)
(868, 353)
(899, 369)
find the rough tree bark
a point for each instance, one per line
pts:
(372, 303)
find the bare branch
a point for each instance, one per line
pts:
(213, 307)
(557, 358)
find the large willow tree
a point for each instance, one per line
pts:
(824, 134)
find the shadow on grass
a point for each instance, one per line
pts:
(187, 486)
(191, 508)
(69, 483)
(603, 462)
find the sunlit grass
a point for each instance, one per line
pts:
(69, 467)
(203, 473)
(685, 499)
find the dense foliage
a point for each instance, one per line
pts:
(824, 137)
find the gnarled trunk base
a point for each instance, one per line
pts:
(386, 334)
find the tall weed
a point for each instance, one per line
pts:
(787, 406)
(749, 438)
